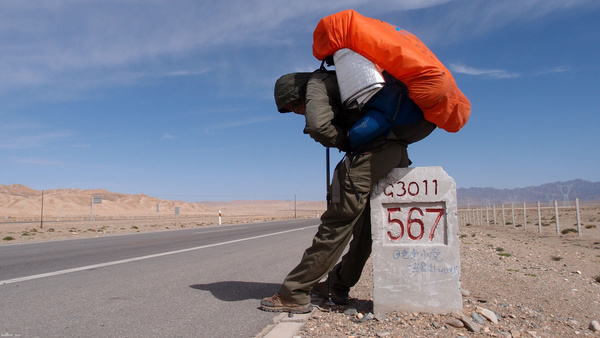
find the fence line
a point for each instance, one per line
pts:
(481, 216)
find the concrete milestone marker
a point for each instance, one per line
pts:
(416, 253)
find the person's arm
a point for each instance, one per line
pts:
(322, 103)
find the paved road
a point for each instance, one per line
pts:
(204, 282)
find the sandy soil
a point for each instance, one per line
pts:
(61, 228)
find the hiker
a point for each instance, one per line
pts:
(317, 96)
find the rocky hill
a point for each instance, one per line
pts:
(19, 201)
(559, 191)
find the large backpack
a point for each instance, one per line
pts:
(429, 84)
(390, 114)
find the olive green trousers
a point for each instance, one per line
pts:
(347, 217)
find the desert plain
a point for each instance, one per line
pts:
(72, 213)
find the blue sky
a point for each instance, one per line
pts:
(174, 99)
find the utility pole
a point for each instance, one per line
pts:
(42, 213)
(327, 176)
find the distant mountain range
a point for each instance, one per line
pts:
(559, 191)
(16, 198)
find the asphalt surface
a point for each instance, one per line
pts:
(203, 282)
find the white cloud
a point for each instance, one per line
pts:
(233, 123)
(461, 20)
(31, 139)
(35, 161)
(558, 69)
(184, 72)
(499, 73)
(73, 45)
(491, 73)
(43, 42)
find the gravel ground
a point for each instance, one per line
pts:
(535, 285)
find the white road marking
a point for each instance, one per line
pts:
(95, 266)
(218, 230)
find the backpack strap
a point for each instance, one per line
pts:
(328, 60)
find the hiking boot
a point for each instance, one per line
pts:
(339, 297)
(278, 304)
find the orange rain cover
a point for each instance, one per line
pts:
(401, 54)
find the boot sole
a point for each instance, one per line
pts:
(287, 309)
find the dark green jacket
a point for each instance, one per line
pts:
(326, 120)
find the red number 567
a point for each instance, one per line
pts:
(413, 219)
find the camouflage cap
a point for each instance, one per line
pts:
(290, 87)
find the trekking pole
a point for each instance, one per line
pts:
(328, 186)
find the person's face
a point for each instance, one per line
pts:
(297, 106)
